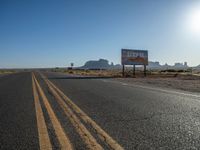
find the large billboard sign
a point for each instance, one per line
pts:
(134, 57)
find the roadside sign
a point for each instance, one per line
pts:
(134, 57)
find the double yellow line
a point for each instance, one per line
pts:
(44, 140)
(76, 116)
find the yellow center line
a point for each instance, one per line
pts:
(62, 138)
(86, 136)
(100, 132)
(44, 140)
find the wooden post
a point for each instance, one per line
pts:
(123, 71)
(133, 70)
(145, 74)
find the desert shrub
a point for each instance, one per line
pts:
(168, 70)
(87, 71)
(181, 71)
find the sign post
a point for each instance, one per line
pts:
(123, 71)
(134, 70)
(145, 73)
(134, 57)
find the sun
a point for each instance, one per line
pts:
(194, 21)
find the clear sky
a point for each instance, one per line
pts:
(49, 33)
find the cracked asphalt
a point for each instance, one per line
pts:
(136, 117)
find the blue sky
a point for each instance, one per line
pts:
(49, 33)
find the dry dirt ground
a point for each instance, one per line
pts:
(186, 83)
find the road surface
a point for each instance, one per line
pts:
(44, 110)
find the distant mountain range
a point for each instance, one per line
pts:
(104, 64)
(156, 65)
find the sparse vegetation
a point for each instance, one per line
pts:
(171, 73)
(7, 71)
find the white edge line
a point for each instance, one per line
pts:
(156, 89)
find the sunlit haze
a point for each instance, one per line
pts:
(194, 20)
(41, 33)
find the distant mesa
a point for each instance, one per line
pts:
(156, 65)
(99, 64)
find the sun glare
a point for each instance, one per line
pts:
(194, 21)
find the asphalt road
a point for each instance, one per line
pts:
(18, 128)
(135, 117)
